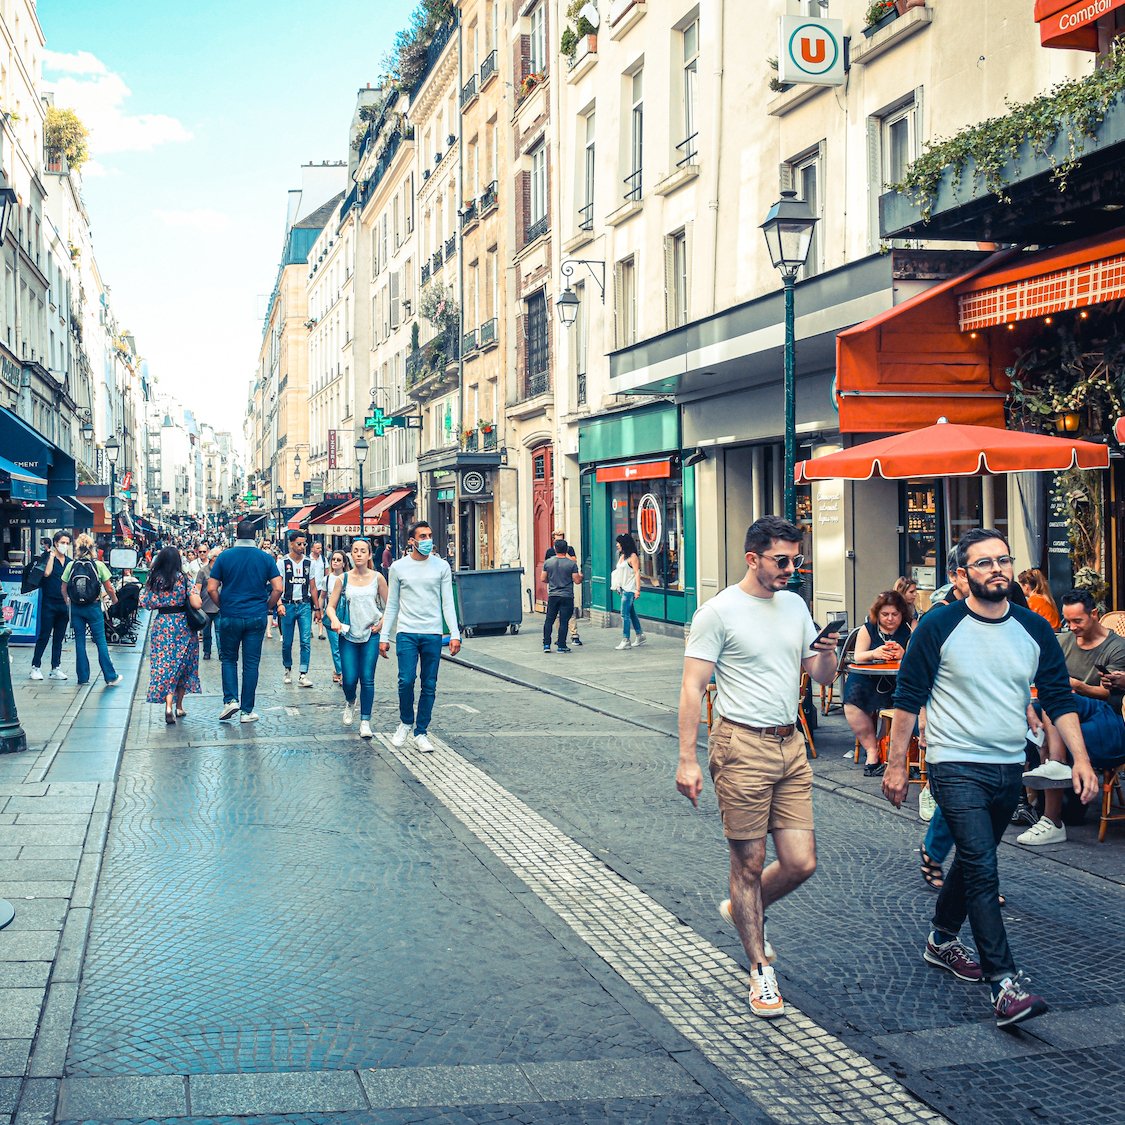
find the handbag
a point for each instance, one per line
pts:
(617, 578)
(196, 618)
(343, 614)
(33, 575)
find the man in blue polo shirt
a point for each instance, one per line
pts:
(245, 585)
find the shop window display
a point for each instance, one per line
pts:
(652, 511)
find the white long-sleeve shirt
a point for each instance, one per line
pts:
(420, 596)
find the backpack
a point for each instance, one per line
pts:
(83, 585)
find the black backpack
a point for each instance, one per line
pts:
(83, 585)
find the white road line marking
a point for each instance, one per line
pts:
(463, 706)
(292, 710)
(792, 1067)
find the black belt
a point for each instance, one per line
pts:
(783, 731)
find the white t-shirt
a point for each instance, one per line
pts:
(756, 645)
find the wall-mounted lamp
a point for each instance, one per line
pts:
(567, 301)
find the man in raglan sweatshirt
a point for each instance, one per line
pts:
(420, 600)
(971, 667)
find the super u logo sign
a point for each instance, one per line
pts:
(811, 51)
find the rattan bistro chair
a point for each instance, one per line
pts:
(1114, 621)
(828, 690)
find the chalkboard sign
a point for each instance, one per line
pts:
(1060, 571)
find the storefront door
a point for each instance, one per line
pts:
(543, 512)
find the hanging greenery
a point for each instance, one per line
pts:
(437, 304)
(1085, 503)
(1071, 110)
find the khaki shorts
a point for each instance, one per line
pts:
(762, 782)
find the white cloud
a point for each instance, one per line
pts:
(200, 218)
(98, 96)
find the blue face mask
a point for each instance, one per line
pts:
(424, 546)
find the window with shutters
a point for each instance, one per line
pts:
(893, 142)
(394, 314)
(536, 340)
(625, 301)
(676, 278)
(375, 250)
(384, 248)
(804, 174)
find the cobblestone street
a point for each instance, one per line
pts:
(279, 922)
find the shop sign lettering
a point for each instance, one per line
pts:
(650, 525)
(811, 51)
(10, 371)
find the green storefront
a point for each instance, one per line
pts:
(633, 481)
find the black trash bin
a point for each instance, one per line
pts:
(489, 599)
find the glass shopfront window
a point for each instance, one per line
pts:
(652, 512)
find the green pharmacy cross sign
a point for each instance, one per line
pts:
(379, 422)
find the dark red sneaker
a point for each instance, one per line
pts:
(954, 957)
(1014, 1003)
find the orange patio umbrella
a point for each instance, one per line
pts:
(952, 450)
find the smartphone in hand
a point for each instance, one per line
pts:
(837, 625)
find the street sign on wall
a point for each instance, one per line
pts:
(811, 51)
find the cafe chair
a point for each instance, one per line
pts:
(1113, 800)
(1114, 621)
(828, 690)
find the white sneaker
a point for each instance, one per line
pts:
(349, 714)
(288, 677)
(623, 644)
(1045, 832)
(365, 729)
(249, 717)
(304, 681)
(56, 674)
(765, 999)
(1050, 775)
(422, 742)
(35, 674)
(728, 917)
(229, 709)
(110, 683)
(398, 739)
(926, 804)
(639, 639)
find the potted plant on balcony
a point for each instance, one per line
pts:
(879, 13)
(904, 6)
(529, 83)
(484, 426)
(582, 29)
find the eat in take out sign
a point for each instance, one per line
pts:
(811, 51)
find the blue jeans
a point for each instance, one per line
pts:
(297, 615)
(358, 663)
(629, 614)
(334, 645)
(247, 632)
(977, 802)
(211, 628)
(939, 840)
(410, 648)
(83, 617)
(53, 621)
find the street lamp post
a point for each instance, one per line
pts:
(279, 498)
(361, 447)
(112, 452)
(788, 229)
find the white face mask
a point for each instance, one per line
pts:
(64, 548)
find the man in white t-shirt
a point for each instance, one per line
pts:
(755, 638)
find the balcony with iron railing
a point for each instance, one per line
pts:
(689, 151)
(581, 396)
(437, 260)
(469, 215)
(469, 93)
(488, 198)
(488, 69)
(536, 383)
(486, 334)
(425, 272)
(586, 217)
(469, 343)
(450, 246)
(488, 439)
(428, 369)
(535, 230)
(633, 186)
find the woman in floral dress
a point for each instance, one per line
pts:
(173, 647)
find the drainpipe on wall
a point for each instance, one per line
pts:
(711, 192)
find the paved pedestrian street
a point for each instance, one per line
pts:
(281, 923)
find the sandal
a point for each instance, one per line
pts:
(931, 869)
(180, 712)
(169, 718)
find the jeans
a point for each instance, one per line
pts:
(211, 628)
(629, 613)
(1102, 731)
(977, 802)
(334, 645)
(84, 617)
(358, 663)
(249, 632)
(410, 648)
(562, 608)
(53, 618)
(939, 840)
(297, 615)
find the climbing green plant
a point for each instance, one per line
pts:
(1071, 110)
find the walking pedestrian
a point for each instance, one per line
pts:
(299, 606)
(84, 580)
(355, 614)
(211, 629)
(251, 587)
(970, 666)
(420, 602)
(53, 617)
(173, 646)
(337, 568)
(755, 638)
(318, 566)
(561, 574)
(575, 639)
(626, 578)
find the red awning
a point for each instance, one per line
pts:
(642, 470)
(1074, 276)
(294, 522)
(1072, 24)
(321, 526)
(908, 366)
(345, 519)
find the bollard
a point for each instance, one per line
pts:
(12, 737)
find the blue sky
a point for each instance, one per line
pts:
(201, 115)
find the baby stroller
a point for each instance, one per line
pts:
(122, 626)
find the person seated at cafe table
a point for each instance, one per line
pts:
(1088, 646)
(881, 640)
(1033, 582)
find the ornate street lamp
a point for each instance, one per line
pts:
(112, 452)
(279, 499)
(788, 229)
(361, 448)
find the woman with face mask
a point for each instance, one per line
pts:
(337, 568)
(362, 595)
